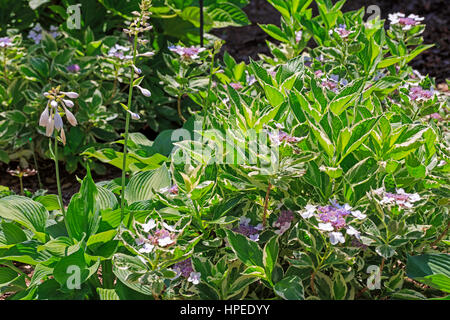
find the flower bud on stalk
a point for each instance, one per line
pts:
(51, 118)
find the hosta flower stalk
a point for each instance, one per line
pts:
(138, 26)
(51, 119)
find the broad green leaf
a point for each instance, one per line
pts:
(431, 269)
(28, 213)
(142, 185)
(246, 250)
(290, 288)
(83, 212)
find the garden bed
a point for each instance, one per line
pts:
(305, 157)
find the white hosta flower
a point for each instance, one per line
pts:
(358, 215)
(50, 118)
(70, 117)
(68, 103)
(149, 225)
(146, 54)
(63, 136)
(54, 104)
(326, 226)
(194, 277)
(71, 95)
(137, 70)
(134, 116)
(144, 91)
(336, 237)
(310, 210)
(45, 115)
(50, 126)
(353, 232)
(147, 248)
(58, 121)
(165, 241)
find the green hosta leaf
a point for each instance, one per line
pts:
(83, 212)
(40, 272)
(50, 202)
(107, 294)
(25, 252)
(61, 246)
(28, 213)
(7, 276)
(106, 199)
(226, 14)
(290, 288)
(73, 270)
(12, 233)
(431, 269)
(142, 185)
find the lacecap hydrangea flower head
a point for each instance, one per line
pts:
(333, 220)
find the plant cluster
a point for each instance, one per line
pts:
(312, 174)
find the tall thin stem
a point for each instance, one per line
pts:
(127, 127)
(4, 66)
(206, 104)
(58, 181)
(266, 203)
(21, 185)
(179, 109)
(58, 184)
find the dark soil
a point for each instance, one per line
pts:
(248, 41)
(69, 183)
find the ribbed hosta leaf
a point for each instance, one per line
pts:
(142, 186)
(28, 213)
(107, 294)
(431, 269)
(106, 199)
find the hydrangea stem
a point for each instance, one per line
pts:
(266, 204)
(207, 102)
(179, 109)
